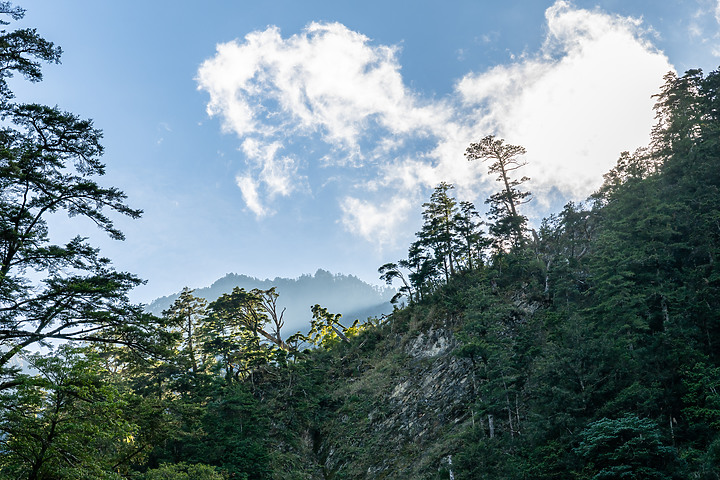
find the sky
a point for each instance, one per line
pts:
(274, 138)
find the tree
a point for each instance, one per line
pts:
(253, 310)
(423, 267)
(627, 448)
(437, 232)
(391, 271)
(237, 426)
(238, 332)
(22, 51)
(681, 112)
(186, 313)
(560, 245)
(629, 168)
(326, 326)
(469, 237)
(49, 160)
(70, 420)
(509, 227)
(184, 471)
(450, 240)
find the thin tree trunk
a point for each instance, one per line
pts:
(509, 410)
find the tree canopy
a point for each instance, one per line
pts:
(50, 161)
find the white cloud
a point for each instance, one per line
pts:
(268, 175)
(376, 223)
(162, 128)
(333, 95)
(278, 173)
(248, 187)
(703, 26)
(327, 80)
(578, 103)
(327, 86)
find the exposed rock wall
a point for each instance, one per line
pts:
(397, 419)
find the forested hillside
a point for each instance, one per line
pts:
(586, 347)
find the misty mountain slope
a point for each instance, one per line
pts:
(345, 294)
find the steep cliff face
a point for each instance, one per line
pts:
(426, 406)
(398, 408)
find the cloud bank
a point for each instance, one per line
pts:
(584, 98)
(329, 99)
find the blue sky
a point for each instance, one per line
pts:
(275, 138)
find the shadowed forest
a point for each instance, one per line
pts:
(585, 347)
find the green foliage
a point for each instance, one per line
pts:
(509, 225)
(235, 431)
(469, 239)
(626, 448)
(184, 471)
(49, 163)
(70, 420)
(561, 246)
(251, 311)
(589, 350)
(627, 321)
(391, 271)
(22, 52)
(437, 233)
(187, 314)
(586, 351)
(325, 327)
(449, 243)
(485, 457)
(703, 395)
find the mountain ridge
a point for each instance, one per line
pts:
(340, 293)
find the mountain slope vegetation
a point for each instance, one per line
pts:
(586, 348)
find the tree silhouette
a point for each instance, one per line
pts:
(510, 226)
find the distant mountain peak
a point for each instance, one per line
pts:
(339, 293)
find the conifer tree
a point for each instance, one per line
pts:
(50, 161)
(423, 267)
(437, 232)
(69, 420)
(187, 313)
(391, 271)
(509, 225)
(468, 235)
(251, 311)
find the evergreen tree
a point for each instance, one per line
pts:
(391, 271)
(627, 448)
(187, 313)
(469, 239)
(69, 420)
(509, 225)
(253, 311)
(561, 244)
(326, 327)
(49, 163)
(423, 267)
(437, 232)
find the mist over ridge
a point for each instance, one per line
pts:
(339, 293)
